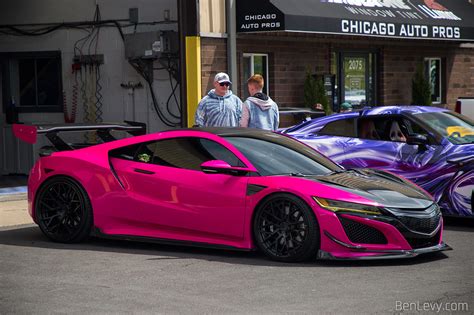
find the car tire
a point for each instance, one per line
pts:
(63, 210)
(285, 228)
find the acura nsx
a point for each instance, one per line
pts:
(232, 188)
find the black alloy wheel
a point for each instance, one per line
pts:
(63, 210)
(285, 229)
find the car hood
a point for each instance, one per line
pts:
(384, 188)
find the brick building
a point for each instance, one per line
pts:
(284, 39)
(366, 50)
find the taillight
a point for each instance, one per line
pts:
(457, 109)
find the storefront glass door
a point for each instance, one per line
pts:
(355, 80)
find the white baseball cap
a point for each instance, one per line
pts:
(222, 77)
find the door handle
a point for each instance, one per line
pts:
(138, 170)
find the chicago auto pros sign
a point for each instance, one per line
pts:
(421, 19)
(415, 17)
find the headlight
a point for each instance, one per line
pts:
(336, 206)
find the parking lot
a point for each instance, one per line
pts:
(105, 276)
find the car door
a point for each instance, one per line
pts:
(174, 196)
(420, 163)
(331, 140)
(370, 148)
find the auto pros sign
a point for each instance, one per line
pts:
(421, 19)
(414, 14)
(261, 22)
(253, 16)
(400, 30)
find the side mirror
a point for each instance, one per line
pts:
(222, 167)
(417, 139)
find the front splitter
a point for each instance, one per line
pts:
(385, 254)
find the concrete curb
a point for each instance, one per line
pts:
(17, 226)
(13, 197)
(14, 210)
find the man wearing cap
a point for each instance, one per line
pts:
(220, 107)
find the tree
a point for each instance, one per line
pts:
(421, 90)
(309, 90)
(315, 93)
(321, 96)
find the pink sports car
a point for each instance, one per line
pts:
(232, 188)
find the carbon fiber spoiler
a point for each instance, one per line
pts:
(29, 133)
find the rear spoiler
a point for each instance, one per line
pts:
(29, 133)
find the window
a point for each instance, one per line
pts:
(413, 128)
(255, 64)
(32, 81)
(387, 128)
(272, 158)
(342, 128)
(369, 129)
(457, 128)
(126, 153)
(187, 153)
(433, 73)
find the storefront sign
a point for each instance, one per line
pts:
(400, 30)
(423, 19)
(260, 22)
(263, 17)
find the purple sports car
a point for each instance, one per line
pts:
(430, 146)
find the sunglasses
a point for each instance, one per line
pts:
(224, 83)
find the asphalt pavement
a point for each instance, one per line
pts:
(104, 277)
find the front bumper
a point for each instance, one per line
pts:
(366, 254)
(394, 234)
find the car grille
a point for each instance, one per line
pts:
(421, 225)
(361, 233)
(424, 242)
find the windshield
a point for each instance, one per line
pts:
(282, 155)
(456, 128)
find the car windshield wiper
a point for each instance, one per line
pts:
(300, 174)
(337, 172)
(356, 170)
(295, 174)
(349, 170)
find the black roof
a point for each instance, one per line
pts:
(236, 131)
(270, 136)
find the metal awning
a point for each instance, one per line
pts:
(417, 19)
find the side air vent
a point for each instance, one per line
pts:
(361, 233)
(253, 189)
